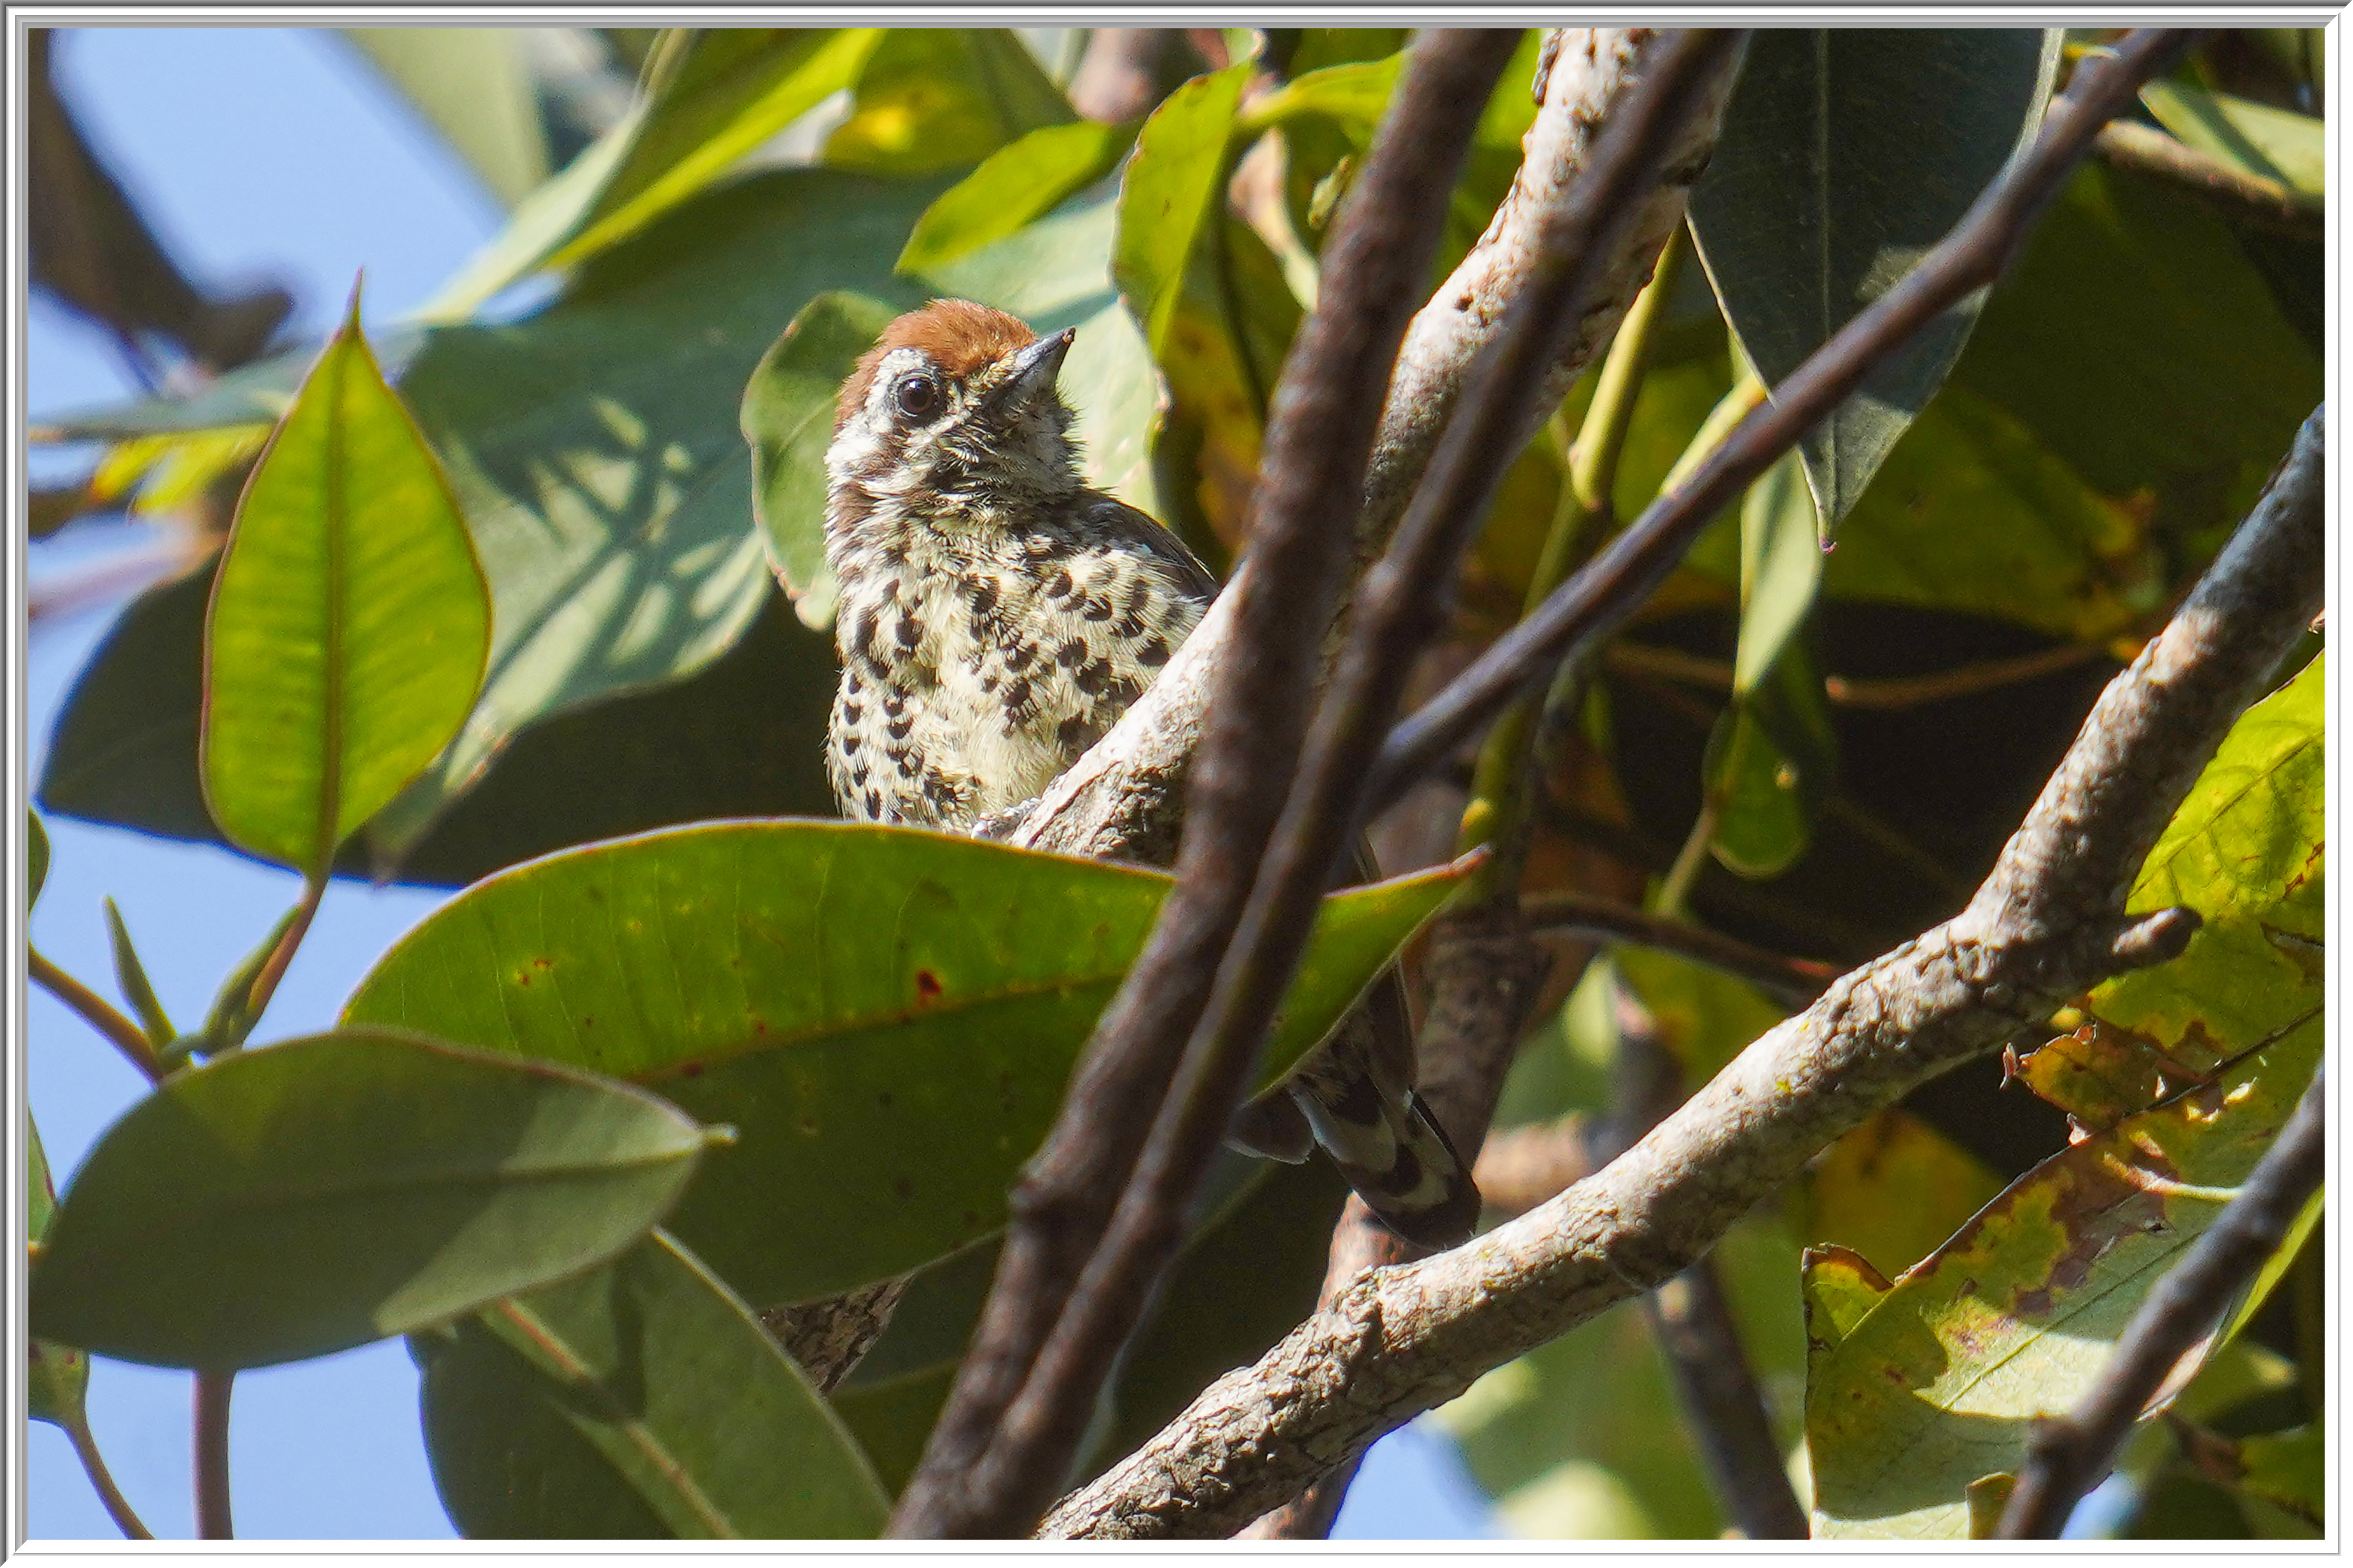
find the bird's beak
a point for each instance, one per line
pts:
(1035, 368)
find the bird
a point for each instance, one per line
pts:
(995, 618)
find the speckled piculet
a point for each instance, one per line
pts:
(995, 619)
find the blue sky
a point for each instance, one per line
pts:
(275, 155)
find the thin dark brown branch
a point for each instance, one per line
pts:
(2236, 193)
(1691, 1318)
(1599, 598)
(1794, 981)
(2067, 1455)
(1022, 1392)
(2048, 923)
(212, 1398)
(1882, 694)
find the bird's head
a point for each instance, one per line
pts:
(954, 408)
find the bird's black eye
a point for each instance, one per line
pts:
(918, 396)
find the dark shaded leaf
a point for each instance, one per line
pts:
(57, 1376)
(305, 1198)
(648, 1379)
(36, 857)
(1832, 180)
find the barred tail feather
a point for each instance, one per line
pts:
(1396, 1156)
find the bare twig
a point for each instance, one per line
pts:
(1691, 1318)
(213, 1388)
(2067, 1454)
(1022, 1392)
(2250, 198)
(1878, 694)
(1599, 598)
(94, 1010)
(1796, 981)
(1124, 798)
(2047, 924)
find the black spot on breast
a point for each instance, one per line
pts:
(1075, 735)
(1061, 585)
(908, 635)
(873, 804)
(899, 728)
(1138, 590)
(849, 742)
(851, 714)
(1072, 653)
(1097, 610)
(1130, 627)
(1095, 679)
(983, 596)
(862, 640)
(1016, 697)
(1016, 656)
(894, 703)
(1153, 654)
(1121, 692)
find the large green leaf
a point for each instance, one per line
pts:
(788, 408)
(350, 622)
(1846, 153)
(1892, 1191)
(1938, 1384)
(473, 86)
(939, 98)
(887, 1016)
(1172, 194)
(58, 1375)
(305, 1198)
(641, 1399)
(1055, 272)
(709, 97)
(1018, 182)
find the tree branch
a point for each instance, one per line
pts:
(1599, 598)
(2247, 197)
(1794, 981)
(1124, 798)
(1061, 1304)
(2068, 1454)
(2047, 924)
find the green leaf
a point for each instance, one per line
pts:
(2248, 851)
(1016, 184)
(131, 977)
(350, 621)
(1781, 570)
(36, 857)
(641, 1399)
(473, 86)
(2013, 1317)
(1846, 154)
(1761, 824)
(1892, 1191)
(306, 1197)
(939, 98)
(2287, 1469)
(709, 96)
(2275, 144)
(1974, 512)
(892, 1420)
(789, 409)
(1704, 1016)
(56, 1379)
(1174, 191)
(888, 1015)
(2273, 1272)
(1054, 273)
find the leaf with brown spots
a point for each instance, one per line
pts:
(1936, 1385)
(886, 1015)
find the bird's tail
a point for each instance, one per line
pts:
(1393, 1152)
